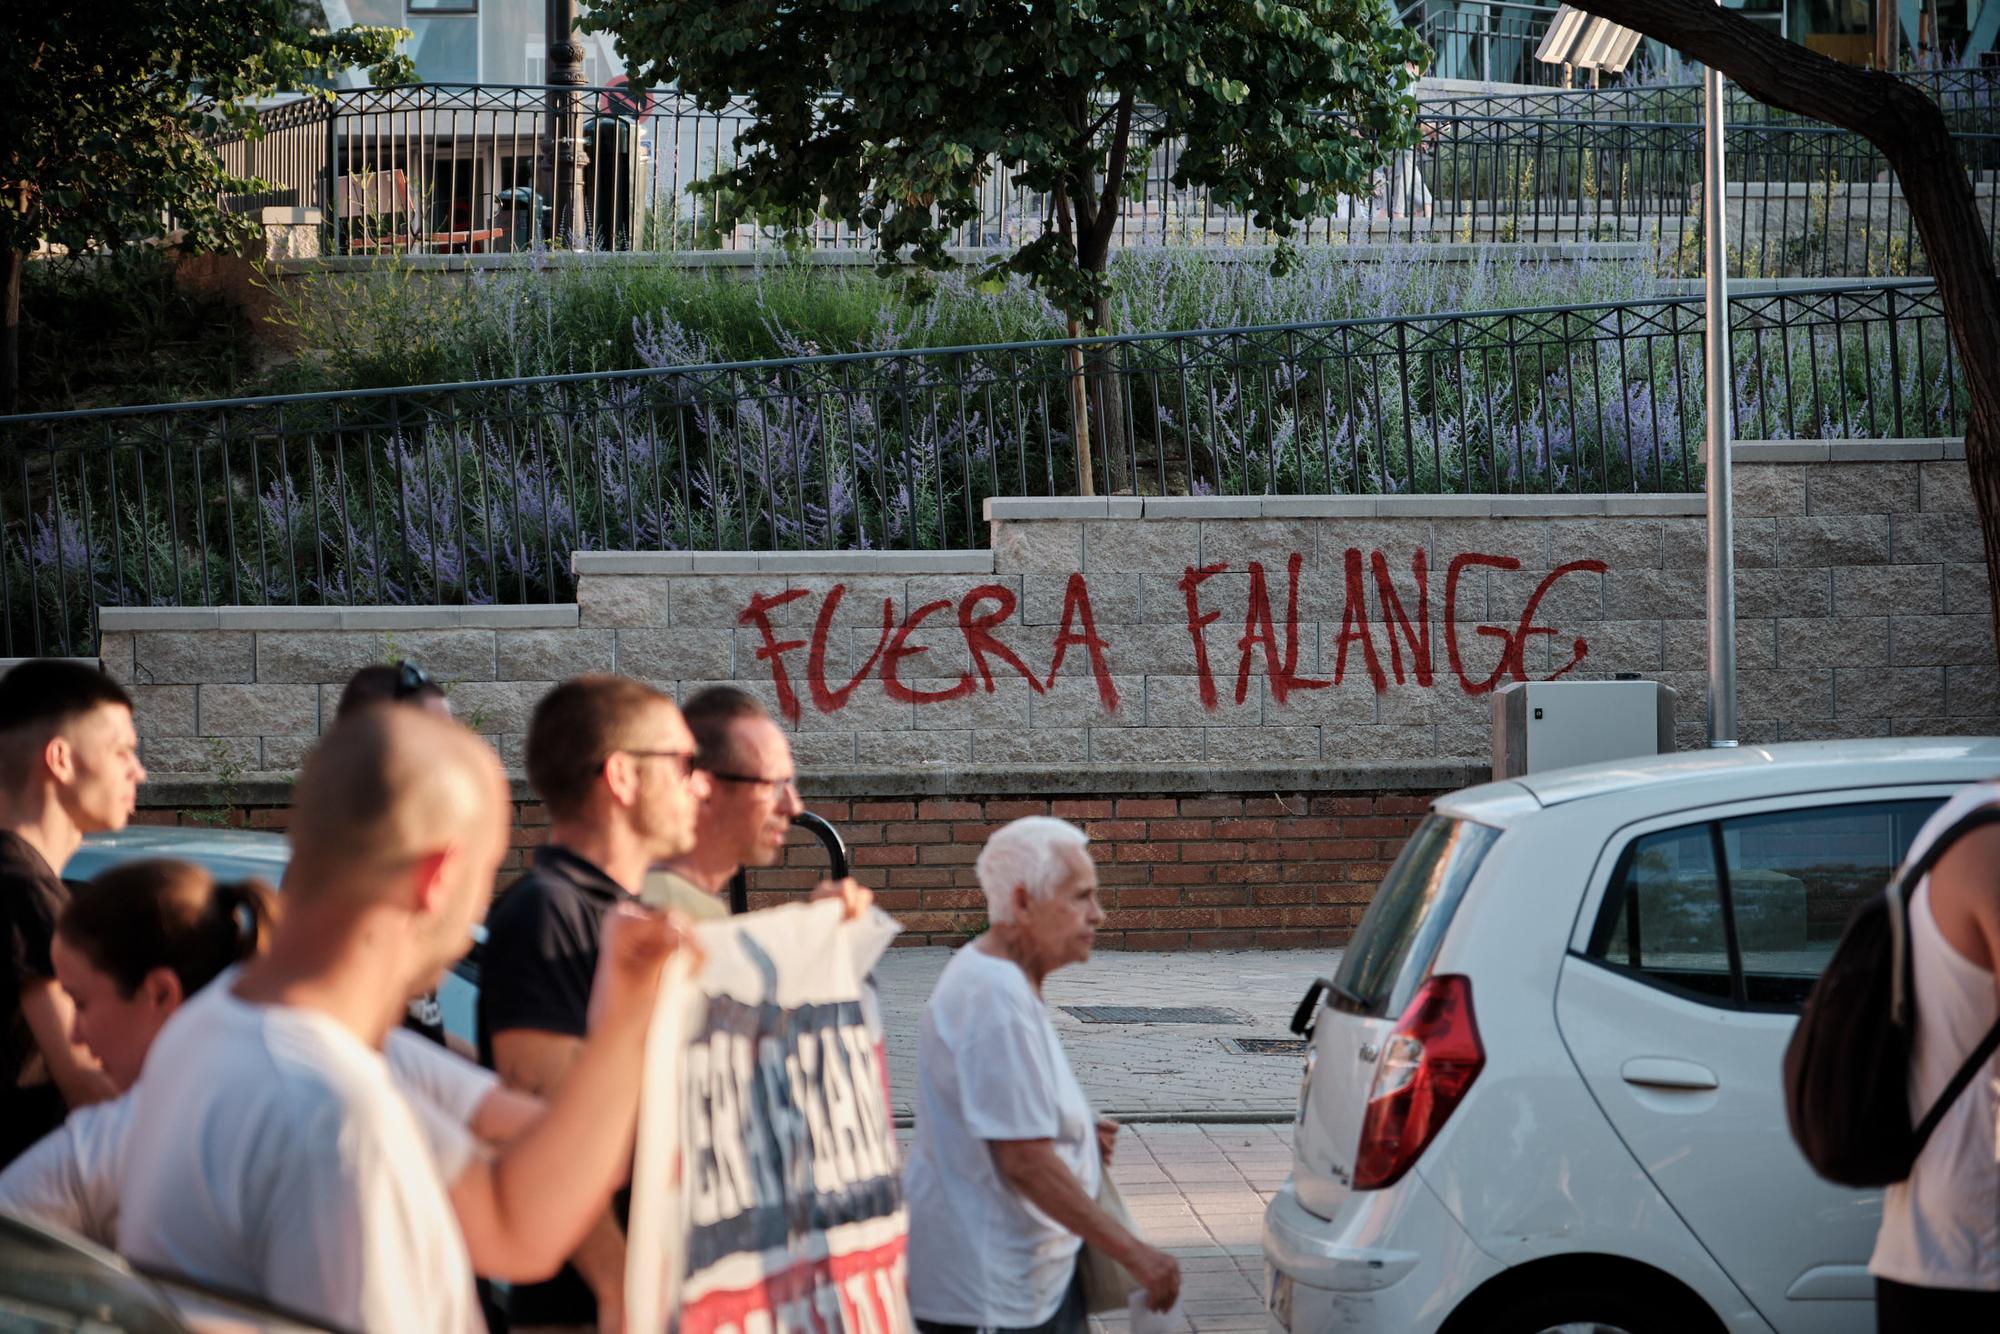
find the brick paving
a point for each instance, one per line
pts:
(1149, 1070)
(1198, 1193)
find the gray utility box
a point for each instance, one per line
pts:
(1541, 725)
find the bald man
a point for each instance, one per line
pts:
(269, 1150)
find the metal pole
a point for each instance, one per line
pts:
(563, 147)
(1715, 449)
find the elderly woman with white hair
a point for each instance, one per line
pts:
(1003, 1181)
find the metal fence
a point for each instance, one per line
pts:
(441, 168)
(1968, 97)
(480, 492)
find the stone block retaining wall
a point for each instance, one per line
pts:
(1175, 653)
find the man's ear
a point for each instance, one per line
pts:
(59, 756)
(621, 775)
(1023, 900)
(432, 882)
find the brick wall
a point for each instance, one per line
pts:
(1179, 870)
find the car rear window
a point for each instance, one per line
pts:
(1399, 935)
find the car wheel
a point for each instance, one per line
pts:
(1587, 1311)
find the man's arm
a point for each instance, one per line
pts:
(1031, 1167)
(51, 1021)
(524, 1212)
(503, 1114)
(535, 1063)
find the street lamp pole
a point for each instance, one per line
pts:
(563, 148)
(1715, 448)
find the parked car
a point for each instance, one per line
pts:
(1543, 1088)
(55, 1283)
(238, 854)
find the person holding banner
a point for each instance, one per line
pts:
(747, 815)
(1003, 1182)
(614, 763)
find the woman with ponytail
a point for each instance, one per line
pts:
(139, 940)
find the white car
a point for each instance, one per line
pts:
(1544, 1089)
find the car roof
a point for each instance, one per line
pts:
(1736, 773)
(226, 854)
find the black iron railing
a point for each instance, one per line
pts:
(463, 169)
(480, 492)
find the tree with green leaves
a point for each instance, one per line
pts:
(891, 115)
(107, 107)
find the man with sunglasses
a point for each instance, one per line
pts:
(613, 763)
(747, 815)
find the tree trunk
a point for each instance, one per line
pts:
(1910, 130)
(12, 262)
(1111, 440)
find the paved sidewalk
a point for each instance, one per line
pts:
(1149, 1070)
(1198, 1193)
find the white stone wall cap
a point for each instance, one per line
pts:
(1914, 449)
(630, 562)
(1662, 505)
(1317, 507)
(1012, 508)
(1204, 507)
(978, 560)
(1518, 507)
(552, 615)
(110, 619)
(1434, 507)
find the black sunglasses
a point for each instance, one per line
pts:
(411, 679)
(684, 759)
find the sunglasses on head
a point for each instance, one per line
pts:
(410, 680)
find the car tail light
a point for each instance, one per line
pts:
(1428, 1063)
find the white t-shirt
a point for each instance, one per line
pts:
(270, 1153)
(69, 1178)
(990, 1067)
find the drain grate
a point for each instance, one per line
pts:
(1265, 1046)
(1154, 1014)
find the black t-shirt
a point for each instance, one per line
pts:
(31, 899)
(535, 972)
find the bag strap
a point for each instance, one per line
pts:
(1900, 888)
(1980, 1055)
(1902, 988)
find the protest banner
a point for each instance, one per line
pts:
(766, 1082)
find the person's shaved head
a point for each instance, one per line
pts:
(385, 792)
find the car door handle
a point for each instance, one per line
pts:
(1661, 1072)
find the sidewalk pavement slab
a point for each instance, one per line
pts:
(1143, 1070)
(1213, 1227)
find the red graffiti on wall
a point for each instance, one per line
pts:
(1266, 639)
